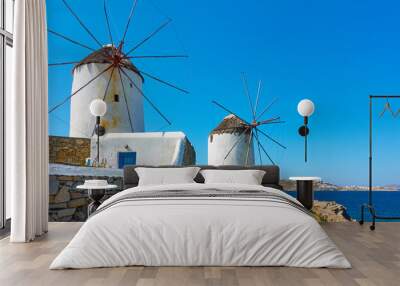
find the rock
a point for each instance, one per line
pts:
(76, 195)
(51, 199)
(77, 203)
(53, 185)
(80, 214)
(65, 212)
(62, 195)
(57, 206)
(330, 212)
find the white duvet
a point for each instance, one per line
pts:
(200, 231)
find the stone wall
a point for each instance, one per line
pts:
(66, 203)
(68, 150)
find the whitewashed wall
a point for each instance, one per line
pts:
(220, 144)
(116, 119)
(152, 148)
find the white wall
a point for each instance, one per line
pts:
(116, 119)
(152, 148)
(220, 144)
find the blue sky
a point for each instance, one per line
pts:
(335, 53)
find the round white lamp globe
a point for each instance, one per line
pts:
(305, 107)
(98, 107)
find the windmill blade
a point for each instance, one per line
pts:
(236, 143)
(248, 146)
(257, 97)
(62, 64)
(270, 138)
(129, 20)
(262, 148)
(266, 109)
(70, 40)
(149, 36)
(269, 120)
(126, 99)
(157, 57)
(108, 83)
(227, 110)
(81, 23)
(146, 98)
(164, 82)
(79, 89)
(108, 22)
(246, 90)
(258, 145)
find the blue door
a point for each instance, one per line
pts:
(126, 158)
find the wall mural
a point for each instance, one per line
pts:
(148, 83)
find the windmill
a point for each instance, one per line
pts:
(246, 132)
(110, 67)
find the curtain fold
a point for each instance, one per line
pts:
(26, 119)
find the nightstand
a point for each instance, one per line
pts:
(305, 193)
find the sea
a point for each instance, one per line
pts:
(387, 203)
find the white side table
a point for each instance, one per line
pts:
(95, 193)
(305, 193)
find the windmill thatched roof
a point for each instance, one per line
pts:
(104, 56)
(230, 124)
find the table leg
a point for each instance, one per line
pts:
(95, 196)
(305, 193)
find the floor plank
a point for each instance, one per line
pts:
(375, 257)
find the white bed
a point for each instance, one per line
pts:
(185, 230)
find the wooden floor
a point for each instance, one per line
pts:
(375, 257)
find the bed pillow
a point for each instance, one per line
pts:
(166, 176)
(248, 177)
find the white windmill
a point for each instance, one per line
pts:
(231, 142)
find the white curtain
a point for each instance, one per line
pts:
(26, 119)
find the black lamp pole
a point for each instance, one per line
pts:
(98, 140)
(304, 131)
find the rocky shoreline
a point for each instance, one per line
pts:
(330, 212)
(324, 186)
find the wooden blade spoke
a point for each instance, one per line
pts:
(79, 89)
(270, 138)
(269, 120)
(70, 40)
(157, 57)
(63, 64)
(108, 23)
(126, 99)
(129, 20)
(146, 98)
(227, 110)
(257, 97)
(81, 23)
(258, 145)
(266, 109)
(236, 143)
(263, 149)
(105, 93)
(164, 82)
(149, 36)
(246, 91)
(248, 146)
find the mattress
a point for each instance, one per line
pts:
(201, 225)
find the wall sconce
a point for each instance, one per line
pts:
(305, 109)
(98, 108)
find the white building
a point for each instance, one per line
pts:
(124, 112)
(230, 144)
(147, 148)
